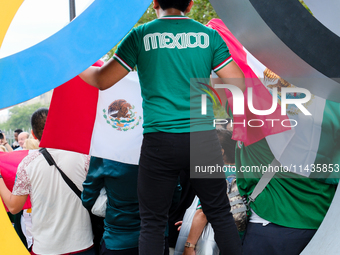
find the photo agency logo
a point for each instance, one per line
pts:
(290, 96)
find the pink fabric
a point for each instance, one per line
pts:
(262, 99)
(9, 162)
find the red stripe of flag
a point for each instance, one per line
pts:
(9, 162)
(75, 129)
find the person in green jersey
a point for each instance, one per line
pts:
(168, 53)
(287, 212)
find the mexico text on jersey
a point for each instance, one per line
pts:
(180, 40)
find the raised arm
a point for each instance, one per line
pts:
(232, 74)
(198, 223)
(14, 203)
(106, 76)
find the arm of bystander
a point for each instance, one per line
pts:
(198, 223)
(14, 203)
(4, 142)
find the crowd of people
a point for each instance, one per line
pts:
(145, 201)
(22, 141)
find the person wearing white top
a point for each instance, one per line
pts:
(60, 223)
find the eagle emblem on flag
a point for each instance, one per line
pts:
(121, 115)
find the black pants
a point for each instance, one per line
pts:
(105, 251)
(275, 240)
(163, 156)
(177, 211)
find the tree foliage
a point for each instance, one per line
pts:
(20, 117)
(202, 11)
(304, 5)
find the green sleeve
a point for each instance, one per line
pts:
(199, 205)
(127, 51)
(327, 162)
(221, 52)
(94, 182)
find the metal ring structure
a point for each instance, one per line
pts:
(286, 38)
(281, 34)
(68, 52)
(56, 60)
(327, 12)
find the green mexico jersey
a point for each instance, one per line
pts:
(289, 200)
(169, 52)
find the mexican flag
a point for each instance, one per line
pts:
(105, 124)
(261, 95)
(9, 162)
(311, 146)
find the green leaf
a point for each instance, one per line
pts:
(20, 116)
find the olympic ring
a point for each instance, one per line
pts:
(290, 41)
(81, 43)
(7, 11)
(56, 60)
(62, 56)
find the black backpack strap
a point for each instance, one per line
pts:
(51, 162)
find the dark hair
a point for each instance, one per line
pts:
(18, 131)
(181, 5)
(38, 120)
(228, 145)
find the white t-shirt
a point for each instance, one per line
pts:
(26, 227)
(60, 223)
(254, 218)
